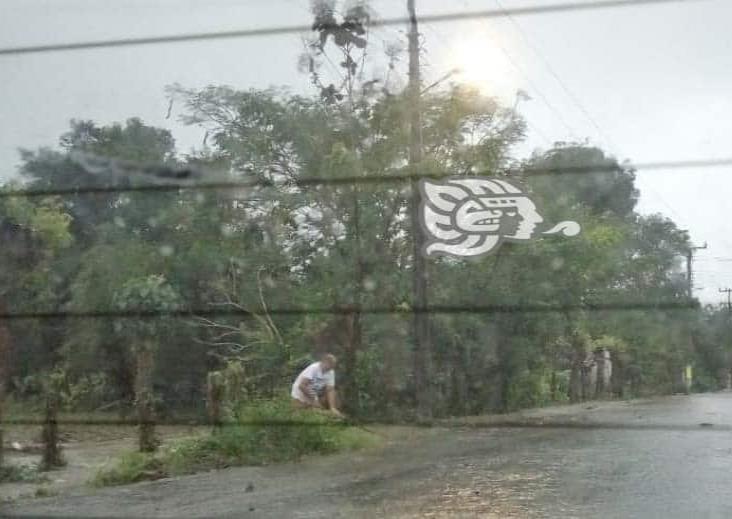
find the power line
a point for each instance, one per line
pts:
(663, 201)
(530, 125)
(565, 7)
(536, 89)
(350, 180)
(386, 310)
(377, 23)
(572, 97)
(514, 63)
(456, 423)
(546, 101)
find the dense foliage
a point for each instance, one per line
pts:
(315, 255)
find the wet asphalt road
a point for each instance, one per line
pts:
(665, 458)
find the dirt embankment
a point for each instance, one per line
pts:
(86, 448)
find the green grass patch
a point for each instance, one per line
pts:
(21, 474)
(130, 468)
(260, 434)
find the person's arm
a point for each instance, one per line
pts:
(330, 393)
(308, 392)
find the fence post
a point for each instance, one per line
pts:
(214, 399)
(4, 376)
(148, 442)
(51, 449)
(2, 403)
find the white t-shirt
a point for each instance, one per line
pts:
(318, 381)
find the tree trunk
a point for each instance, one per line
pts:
(604, 373)
(460, 381)
(4, 375)
(2, 408)
(353, 343)
(350, 362)
(578, 358)
(589, 379)
(617, 377)
(575, 378)
(344, 331)
(635, 375)
(504, 371)
(144, 399)
(214, 399)
(51, 450)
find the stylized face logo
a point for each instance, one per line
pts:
(469, 217)
(514, 216)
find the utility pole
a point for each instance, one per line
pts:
(689, 271)
(420, 318)
(729, 297)
(726, 375)
(685, 372)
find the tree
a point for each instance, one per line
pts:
(35, 238)
(327, 228)
(141, 296)
(94, 156)
(571, 173)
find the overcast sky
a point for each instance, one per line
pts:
(647, 83)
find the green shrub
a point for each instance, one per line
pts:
(704, 382)
(130, 468)
(21, 474)
(528, 389)
(87, 393)
(562, 386)
(262, 433)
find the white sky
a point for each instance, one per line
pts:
(656, 80)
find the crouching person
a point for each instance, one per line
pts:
(314, 388)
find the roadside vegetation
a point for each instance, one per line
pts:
(260, 434)
(25, 473)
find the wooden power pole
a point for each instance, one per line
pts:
(689, 270)
(685, 379)
(420, 319)
(729, 297)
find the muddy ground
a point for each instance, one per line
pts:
(85, 449)
(667, 457)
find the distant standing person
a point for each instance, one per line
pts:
(315, 386)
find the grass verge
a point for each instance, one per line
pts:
(260, 434)
(21, 474)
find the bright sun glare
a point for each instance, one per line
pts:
(482, 63)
